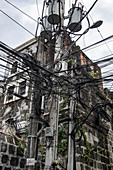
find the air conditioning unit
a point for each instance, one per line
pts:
(64, 67)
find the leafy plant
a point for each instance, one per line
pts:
(62, 141)
(107, 98)
(90, 151)
(94, 75)
(20, 144)
(65, 101)
(42, 151)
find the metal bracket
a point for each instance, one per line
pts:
(32, 136)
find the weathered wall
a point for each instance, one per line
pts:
(10, 156)
(20, 110)
(94, 151)
(99, 154)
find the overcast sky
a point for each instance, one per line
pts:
(13, 35)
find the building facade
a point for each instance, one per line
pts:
(92, 114)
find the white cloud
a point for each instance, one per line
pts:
(14, 35)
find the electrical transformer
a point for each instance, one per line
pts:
(75, 15)
(54, 12)
(46, 29)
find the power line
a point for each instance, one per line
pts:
(98, 46)
(105, 39)
(86, 14)
(53, 74)
(88, 48)
(17, 23)
(37, 7)
(20, 10)
(105, 42)
(99, 32)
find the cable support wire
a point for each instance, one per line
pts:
(86, 13)
(37, 5)
(17, 59)
(99, 31)
(17, 23)
(67, 57)
(29, 79)
(87, 65)
(66, 79)
(39, 80)
(31, 61)
(98, 46)
(21, 10)
(99, 106)
(81, 82)
(18, 66)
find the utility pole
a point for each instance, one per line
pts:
(32, 150)
(51, 147)
(32, 138)
(70, 141)
(51, 150)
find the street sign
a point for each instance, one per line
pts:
(31, 161)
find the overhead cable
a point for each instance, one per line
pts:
(86, 14)
(99, 32)
(20, 10)
(17, 23)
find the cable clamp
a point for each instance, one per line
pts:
(32, 136)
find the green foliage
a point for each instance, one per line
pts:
(107, 98)
(94, 75)
(20, 143)
(26, 133)
(62, 141)
(20, 148)
(89, 151)
(87, 155)
(69, 61)
(63, 105)
(41, 150)
(111, 165)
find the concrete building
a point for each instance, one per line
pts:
(94, 150)
(17, 105)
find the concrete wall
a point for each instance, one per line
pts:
(10, 156)
(101, 156)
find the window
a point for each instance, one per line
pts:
(22, 88)
(10, 92)
(14, 89)
(14, 67)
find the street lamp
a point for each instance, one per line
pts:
(95, 25)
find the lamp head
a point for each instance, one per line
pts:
(96, 24)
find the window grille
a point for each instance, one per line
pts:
(10, 93)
